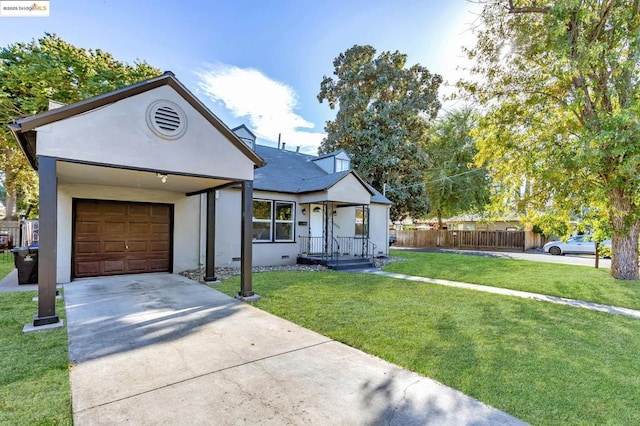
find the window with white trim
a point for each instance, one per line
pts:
(362, 222)
(273, 221)
(342, 165)
(284, 221)
(262, 220)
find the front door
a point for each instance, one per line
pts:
(316, 221)
(316, 229)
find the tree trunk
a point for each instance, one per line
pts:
(624, 239)
(11, 205)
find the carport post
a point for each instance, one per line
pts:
(210, 271)
(246, 249)
(47, 252)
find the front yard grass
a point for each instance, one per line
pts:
(6, 264)
(541, 362)
(34, 368)
(571, 281)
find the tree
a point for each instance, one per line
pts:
(46, 69)
(560, 87)
(384, 111)
(453, 183)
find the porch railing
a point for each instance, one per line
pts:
(318, 247)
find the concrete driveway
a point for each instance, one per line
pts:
(162, 349)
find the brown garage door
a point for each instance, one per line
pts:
(113, 238)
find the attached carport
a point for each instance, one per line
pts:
(127, 185)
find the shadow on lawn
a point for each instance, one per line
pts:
(404, 398)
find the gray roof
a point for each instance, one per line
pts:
(296, 173)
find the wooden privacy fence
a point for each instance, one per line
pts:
(487, 240)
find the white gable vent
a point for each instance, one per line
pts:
(166, 119)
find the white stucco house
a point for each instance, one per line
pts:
(147, 179)
(306, 208)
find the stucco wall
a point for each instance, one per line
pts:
(228, 231)
(326, 164)
(228, 221)
(349, 190)
(119, 134)
(345, 225)
(379, 227)
(344, 222)
(186, 232)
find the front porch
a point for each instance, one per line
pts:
(338, 253)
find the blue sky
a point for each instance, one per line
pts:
(258, 62)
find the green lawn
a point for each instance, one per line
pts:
(575, 282)
(541, 362)
(34, 368)
(6, 264)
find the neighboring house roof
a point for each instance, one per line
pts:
(296, 173)
(24, 129)
(246, 129)
(480, 218)
(331, 154)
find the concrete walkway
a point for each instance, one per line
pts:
(162, 349)
(9, 284)
(516, 293)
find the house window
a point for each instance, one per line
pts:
(284, 221)
(273, 220)
(362, 222)
(342, 165)
(262, 220)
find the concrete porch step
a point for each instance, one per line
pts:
(350, 265)
(341, 264)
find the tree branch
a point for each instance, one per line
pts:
(603, 19)
(534, 8)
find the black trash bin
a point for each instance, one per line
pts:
(26, 261)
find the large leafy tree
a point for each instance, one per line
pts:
(454, 184)
(32, 74)
(560, 84)
(384, 112)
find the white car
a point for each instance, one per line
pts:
(581, 244)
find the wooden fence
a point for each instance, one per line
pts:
(479, 240)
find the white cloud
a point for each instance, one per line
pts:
(268, 105)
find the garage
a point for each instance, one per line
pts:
(127, 184)
(115, 238)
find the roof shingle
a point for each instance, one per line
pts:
(296, 173)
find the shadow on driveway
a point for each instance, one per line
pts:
(162, 349)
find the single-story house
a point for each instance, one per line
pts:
(147, 179)
(305, 207)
